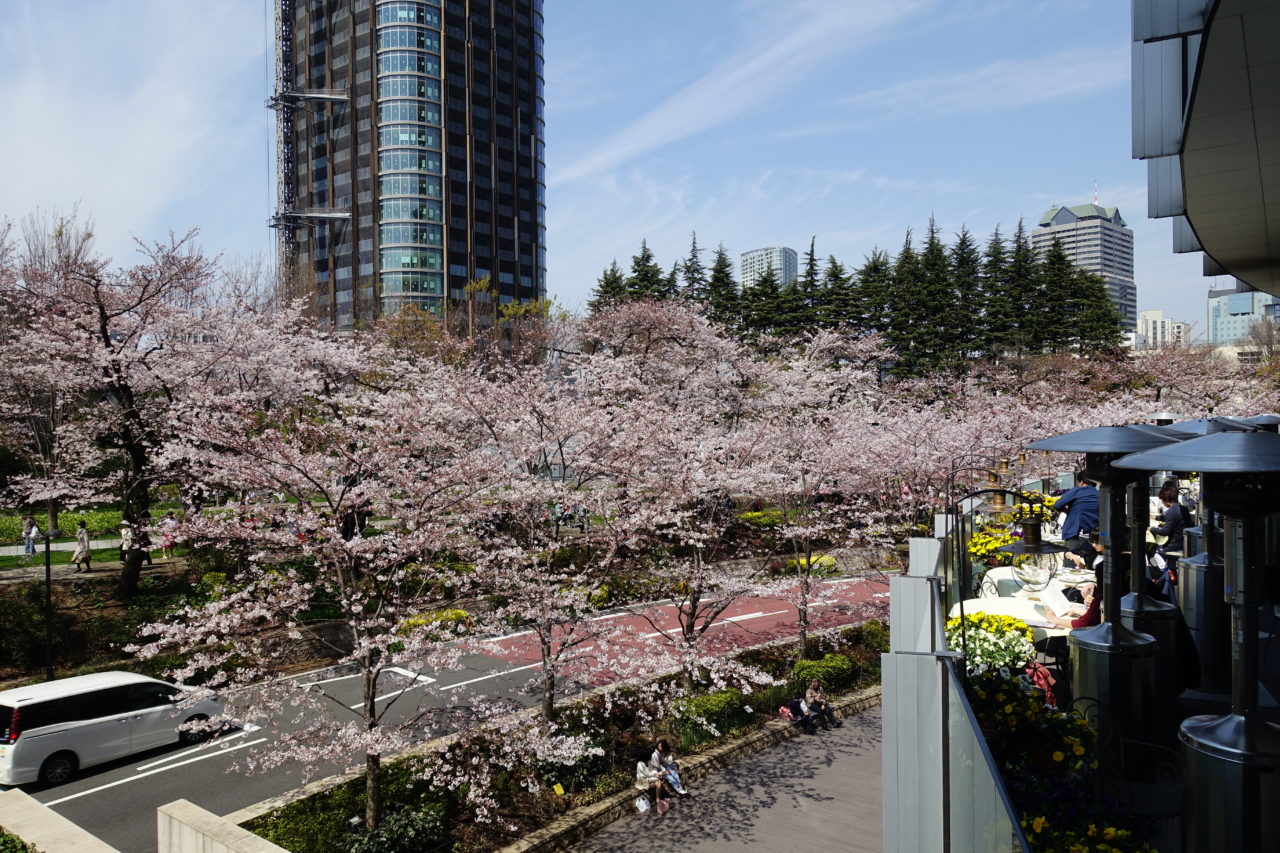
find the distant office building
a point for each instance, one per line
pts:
(1233, 310)
(1096, 239)
(753, 264)
(1156, 330)
(410, 153)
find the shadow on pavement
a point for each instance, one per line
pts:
(759, 802)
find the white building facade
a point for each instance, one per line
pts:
(1156, 330)
(784, 262)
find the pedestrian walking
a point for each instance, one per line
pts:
(167, 540)
(30, 532)
(82, 556)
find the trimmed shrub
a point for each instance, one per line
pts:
(834, 672)
(404, 831)
(820, 566)
(762, 518)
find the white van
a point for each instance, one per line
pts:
(48, 731)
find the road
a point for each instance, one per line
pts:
(117, 802)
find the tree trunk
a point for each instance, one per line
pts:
(372, 763)
(548, 678)
(372, 791)
(129, 573)
(802, 608)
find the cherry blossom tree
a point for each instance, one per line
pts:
(94, 357)
(345, 446)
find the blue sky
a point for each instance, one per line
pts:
(752, 122)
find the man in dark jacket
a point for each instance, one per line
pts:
(1081, 506)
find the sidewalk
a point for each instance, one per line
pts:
(818, 793)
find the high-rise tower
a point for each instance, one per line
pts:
(1096, 239)
(410, 153)
(754, 264)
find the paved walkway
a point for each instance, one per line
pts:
(818, 793)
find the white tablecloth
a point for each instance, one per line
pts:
(1015, 606)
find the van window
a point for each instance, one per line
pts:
(150, 695)
(106, 703)
(6, 721)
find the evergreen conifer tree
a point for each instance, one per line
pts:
(1029, 332)
(722, 291)
(934, 339)
(1098, 326)
(839, 299)
(966, 291)
(761, 304)
(873, 286)
(610, 289)
(999, 307)
(1056, 302)
(901, 316)
(696, 285)
(810, 288)
(647, 279)
(671, 283)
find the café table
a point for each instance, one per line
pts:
(1026, 609)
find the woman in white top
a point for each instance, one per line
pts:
(82, 555)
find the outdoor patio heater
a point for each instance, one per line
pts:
(1200, 574)
(1231, 762)
(1112, 664)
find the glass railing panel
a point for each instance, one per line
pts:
(980, 817)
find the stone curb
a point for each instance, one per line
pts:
(576, 825)
(43, 828)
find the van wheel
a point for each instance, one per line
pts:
(189, 737)
(58, 768)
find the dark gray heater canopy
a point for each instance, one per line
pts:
(1209, 426)
(1217, 453)
(1241, 469)
(1108, 439)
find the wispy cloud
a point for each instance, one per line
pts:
(137, 119)
(997, 87)
(749, 81)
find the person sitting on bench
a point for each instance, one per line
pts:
(801, 714)
(816, 698)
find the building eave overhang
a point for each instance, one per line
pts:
(1231, 145)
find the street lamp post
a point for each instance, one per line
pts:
(48, 536)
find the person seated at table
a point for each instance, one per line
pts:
(1081, 616)
(1089, 558)
(1081, 506)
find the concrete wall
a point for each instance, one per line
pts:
(182, 827)
(39, 825)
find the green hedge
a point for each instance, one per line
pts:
(321, 823)
(100, 522)
(835, 672)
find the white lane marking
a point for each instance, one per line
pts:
(728, 620)
(137, 776)
(327, 680)
(204, 747)
(490, 675)
(416, 680)
(606, 616)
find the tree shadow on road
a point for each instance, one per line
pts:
(733, 806)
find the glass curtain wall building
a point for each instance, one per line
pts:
(410, 153)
